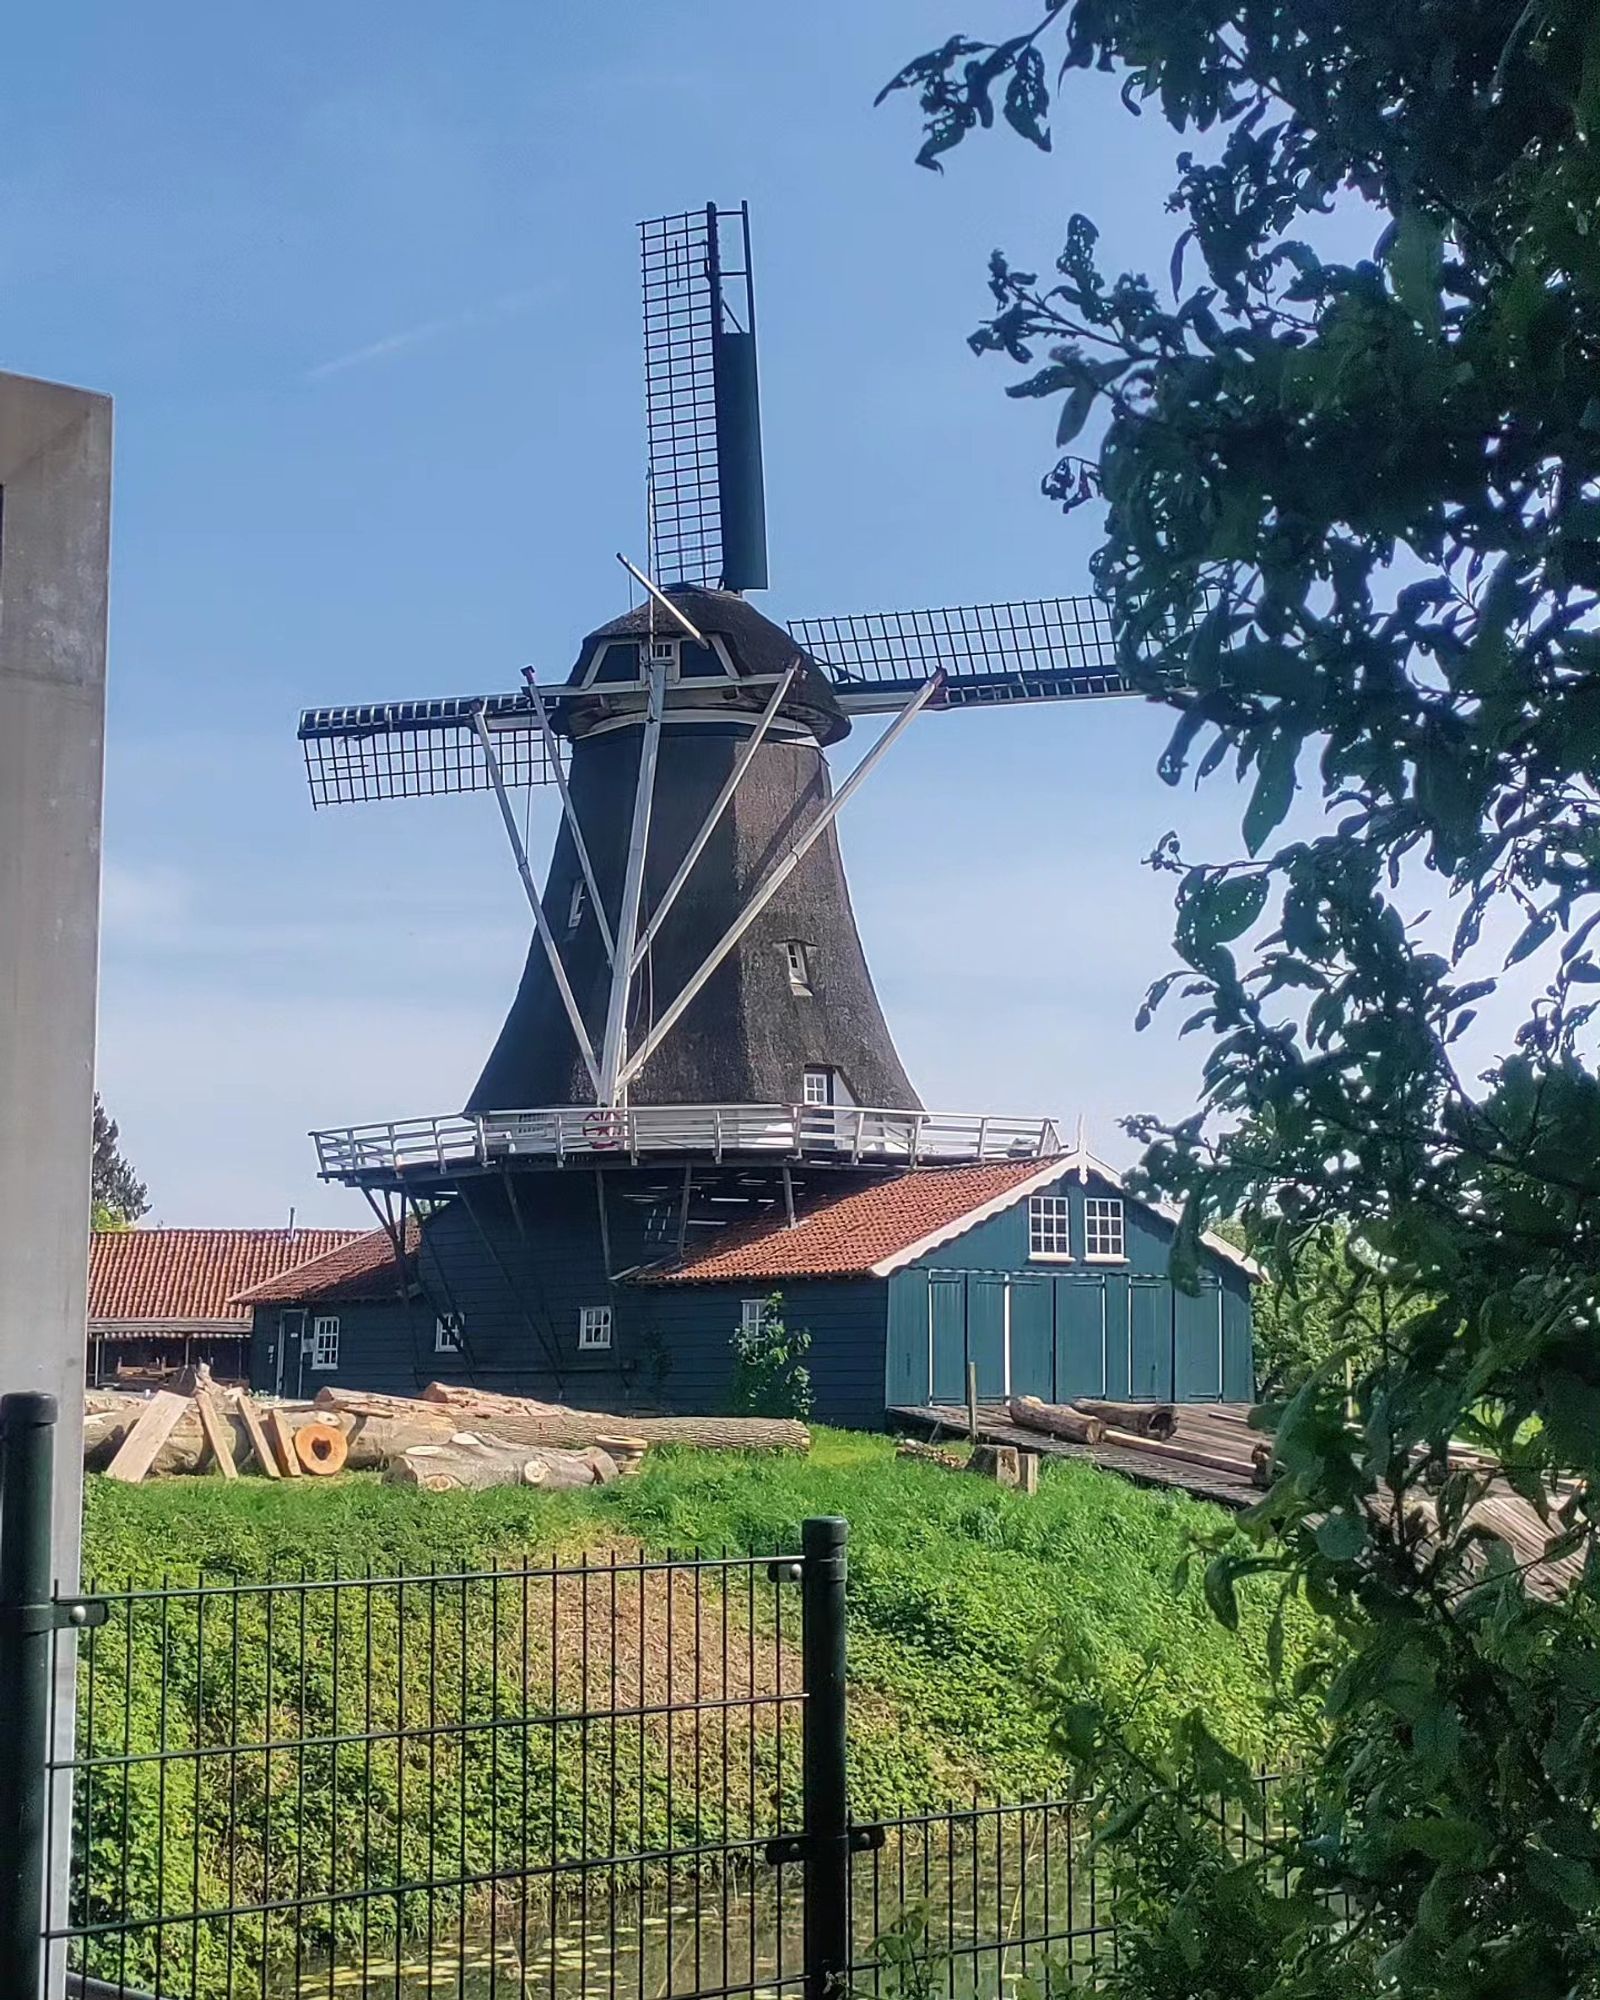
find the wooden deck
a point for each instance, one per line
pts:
(1219, 1430)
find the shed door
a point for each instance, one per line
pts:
(986, 1332)
(1197, 1342)
(947, 1335)
(1080, 1336)
(1150, 1340)
(1032, 1360)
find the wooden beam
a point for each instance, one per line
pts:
(137, 1452)
(257, 1436)
(282, 1437)
(216, 1432)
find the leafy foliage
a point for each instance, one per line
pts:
(119, 1197)
(1353, 538)
(770, 1376)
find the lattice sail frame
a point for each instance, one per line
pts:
(420, 749)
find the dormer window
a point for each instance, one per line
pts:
(818, 1086)
(663, 649)
(797, 958)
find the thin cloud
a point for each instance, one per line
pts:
(408, 337)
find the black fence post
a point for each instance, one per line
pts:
(827, 1804)
(27, 1456)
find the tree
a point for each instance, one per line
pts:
(119, 1197)
(770, 1376)
(1352, 536)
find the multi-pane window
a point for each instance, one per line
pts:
(594, 1328)
(325, 1342)
(1049, 1226)
(447, 1334)
(798, 960)
(1102, 1228)
(752, 1312)
(818, 1086)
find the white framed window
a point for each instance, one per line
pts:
(797, 960)
(325, 1341)
(594, 1329)
(663, 649)
(447, 1331)
(817, 1087)
(752, 1312)
(1104, 1239)
(1050, 1228)
(575, 908)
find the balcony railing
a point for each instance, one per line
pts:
(416, 1146)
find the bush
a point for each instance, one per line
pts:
(770, 1378)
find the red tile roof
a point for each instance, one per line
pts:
(844, 1235)
(361, 1267)
(189, 1278)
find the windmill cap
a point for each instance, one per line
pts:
(755, 644)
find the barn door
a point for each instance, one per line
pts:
(1032, 1358)
(947, 1336)
(986, 1332)
(1197, 1343)
(1080, 1336)
(1150, 1340)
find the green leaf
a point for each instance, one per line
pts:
(1564, 1877)
(1416, 263)
(1075, 412)
(1274, 790)
(1341, 1537)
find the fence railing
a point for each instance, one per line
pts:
(621, 1775)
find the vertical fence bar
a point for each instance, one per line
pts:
(827, 1806)
(27, 1452)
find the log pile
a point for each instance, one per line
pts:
(447, 1439)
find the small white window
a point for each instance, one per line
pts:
(594, 1328)
(663, 649)
(325, 1343)
(575, 908)
(1050, 1228)
(798, 960)
(1103, 1236)
(752, 1315)
(818, 1086)
(447, 1334)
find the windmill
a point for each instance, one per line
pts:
(696, 979)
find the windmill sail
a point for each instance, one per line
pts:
(702, 408)
(1048, 649)
(420, 749)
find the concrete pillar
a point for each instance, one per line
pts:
(55, 511)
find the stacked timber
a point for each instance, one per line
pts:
(1055, 1420)
(532, 1422)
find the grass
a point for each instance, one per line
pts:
(965, 1599)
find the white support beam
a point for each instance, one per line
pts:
(662, 599)
(723, 801)
(552, 751)
(540, 921)
(614, 1049)
(775, 878)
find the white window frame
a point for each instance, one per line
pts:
(577, 904)
(797, 960)
(816, 1074)
(1050, 1229)
(449, 1333)
(752, 1315)
(1104, 1216)
(594, 1329)
(325, 1343)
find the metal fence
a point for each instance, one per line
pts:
(615, 1776)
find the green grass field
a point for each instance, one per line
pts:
(964, 1600)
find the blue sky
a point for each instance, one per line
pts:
(363, 282)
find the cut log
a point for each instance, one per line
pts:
(377, 1441)
(1055, 1420)
(998, 1462)
(321, 1449)
(471, 1463)
(930, 1454)
(1157, 1420)
(217, 1429)
(1214, 1461)
(244, 1403)
(529, 1422)
(281, 1434)
(137, 1452)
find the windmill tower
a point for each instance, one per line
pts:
(696, 967)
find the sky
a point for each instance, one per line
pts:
(362, 281)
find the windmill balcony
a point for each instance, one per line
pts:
(845, 1134)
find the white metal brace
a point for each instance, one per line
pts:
(613, 1050)
(552, 751)
(723, 800)
(774, 880)
(662, 599)
(540, 922)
